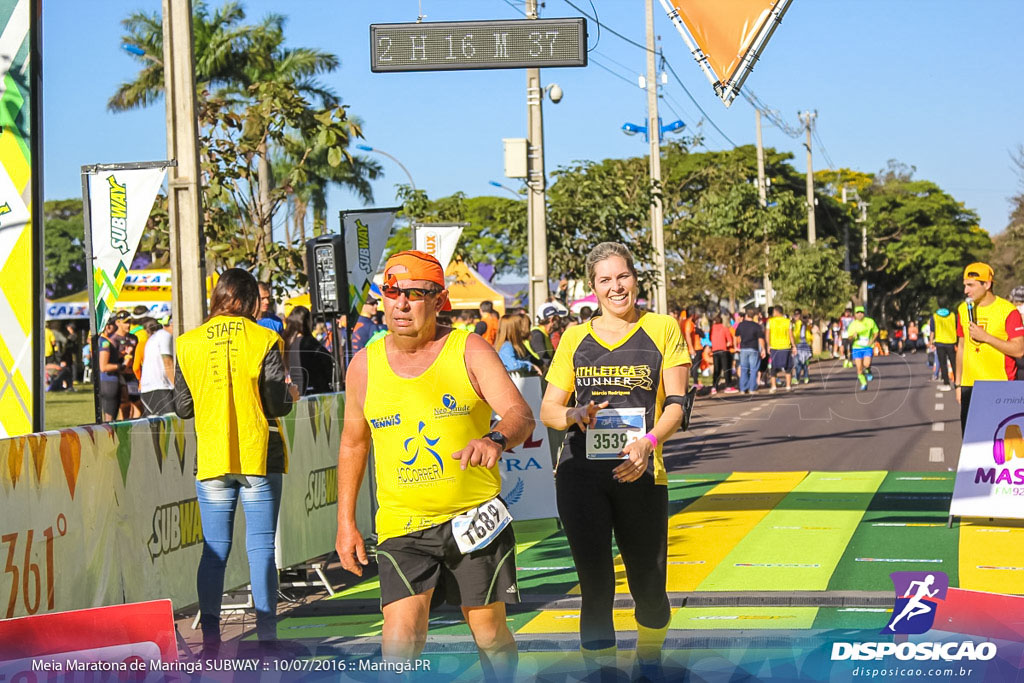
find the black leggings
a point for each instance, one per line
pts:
(592, 505)
(945, 355)
(723, 367)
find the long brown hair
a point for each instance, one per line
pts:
(513, 328)
(236, 293)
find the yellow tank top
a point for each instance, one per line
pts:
(778, 333)
(221, 361)
(416, 424)
(983, 361)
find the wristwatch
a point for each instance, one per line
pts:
(498, 438)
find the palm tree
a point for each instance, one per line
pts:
(231, 59)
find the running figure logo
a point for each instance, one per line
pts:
(918, 595)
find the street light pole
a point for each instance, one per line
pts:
(367, 148)
(654, 135)
(536, 210)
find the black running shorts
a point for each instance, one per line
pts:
(421, 560)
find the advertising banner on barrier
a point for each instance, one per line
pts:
(102, 514)
(439, 241)
(366, 236)
(990, 473)
(527, 477)
(21, 243)
(119, 203)
(134, 639)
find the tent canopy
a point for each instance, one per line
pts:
(151, 288)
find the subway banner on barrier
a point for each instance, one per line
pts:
(20, 240)
(366, 235)
(439, 241)
(990, 474)
(726, 37)
(119, 202)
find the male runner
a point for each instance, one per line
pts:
(990, 336)
(844, 322)
(862, 334)
(781, 346)
(442, 530)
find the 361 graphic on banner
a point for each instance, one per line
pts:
(22, 565)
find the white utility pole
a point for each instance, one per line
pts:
(536, 183)
(863, 253)
(808, 119)
(188, 262)
(762, 194)
(654, 135)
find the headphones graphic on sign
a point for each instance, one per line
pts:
(1013, 435)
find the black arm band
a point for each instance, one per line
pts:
(675, 399)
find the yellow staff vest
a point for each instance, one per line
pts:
(221, 361)
(416, 424)
(983, 361)
(945, 328)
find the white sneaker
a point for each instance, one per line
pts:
(945, 387)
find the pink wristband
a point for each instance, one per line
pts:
(652, 438)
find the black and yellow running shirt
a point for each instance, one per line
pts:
(627, 374)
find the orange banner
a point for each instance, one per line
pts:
(728, 33)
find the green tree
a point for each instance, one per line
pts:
(920, 238)
(64, 247)
(591, 202)
(1008, 246)
(811, 277)
(257, 98)
(494, 231)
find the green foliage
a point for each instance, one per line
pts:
(920, 238)
(811, 277)
(592, 202)
(64, 247)
(256, 99)
(717, 231)
(1008, 246)
(494, 232)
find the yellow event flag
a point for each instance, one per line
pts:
(729, 36)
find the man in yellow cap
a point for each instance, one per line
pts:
(443, 531)
(990, 336)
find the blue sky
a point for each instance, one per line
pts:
(933, 83)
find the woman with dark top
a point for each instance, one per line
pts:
(231, 378)
(310, 365)
(617, 387)
(110, 366)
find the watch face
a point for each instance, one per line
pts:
(498, 438)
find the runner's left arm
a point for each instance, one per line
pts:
(493, 384)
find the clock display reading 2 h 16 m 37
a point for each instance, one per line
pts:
(507, 44)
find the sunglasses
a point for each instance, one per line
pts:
(411, 293)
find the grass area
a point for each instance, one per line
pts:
(70, 409)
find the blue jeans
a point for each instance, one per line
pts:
(261, 501)
(750, 359)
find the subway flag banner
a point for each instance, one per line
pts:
(17, 249)
(366, 236)
(119, 205)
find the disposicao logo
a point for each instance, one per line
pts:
(919, 596)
